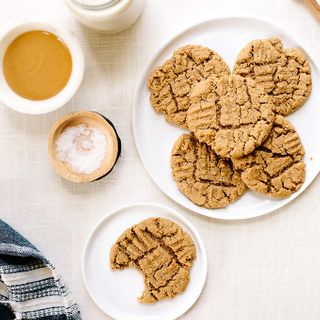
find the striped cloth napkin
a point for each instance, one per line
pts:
(30, 288)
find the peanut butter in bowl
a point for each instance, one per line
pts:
(37, 65)
(41, 67)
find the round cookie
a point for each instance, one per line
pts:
(202, 176)
(285, 74)
(276, 167)
(170, 84)
(162, 251)
(231, 114)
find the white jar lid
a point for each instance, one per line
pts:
(95, 4)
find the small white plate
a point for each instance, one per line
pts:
(155, 137)
(116, 292)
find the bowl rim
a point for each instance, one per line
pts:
(23, 105)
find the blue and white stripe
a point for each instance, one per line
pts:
(29, 285)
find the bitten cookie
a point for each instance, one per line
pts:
(202, 176)
(162, 251)
(170, 84)
(231, 114)
(285, 74)
(276, 167)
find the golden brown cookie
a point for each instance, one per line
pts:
(171, 83)
(276, 167)
(231, 114)
(202, 176)
(285, 74)
(162, 251)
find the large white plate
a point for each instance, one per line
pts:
(155, 137)
(116, 292)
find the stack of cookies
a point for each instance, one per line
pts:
(239, 136)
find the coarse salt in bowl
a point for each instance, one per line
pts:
(83, 146)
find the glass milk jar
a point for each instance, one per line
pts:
(111, 16)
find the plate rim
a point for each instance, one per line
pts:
(141, 83)
(180, 216)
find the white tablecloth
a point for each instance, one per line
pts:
(265, 268)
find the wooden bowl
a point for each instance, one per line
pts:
(91, 119)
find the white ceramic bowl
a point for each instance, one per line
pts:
(18, 103)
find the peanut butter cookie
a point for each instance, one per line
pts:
(202, 176)
(231, 114)
(276, 167)
(285, 74)
(171, 83)
(162, 251)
